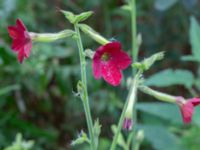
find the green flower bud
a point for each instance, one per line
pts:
(93, 34)
(50, 37)
(158, 95)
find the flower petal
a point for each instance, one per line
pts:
(96, 68)
(96, 62)
(15, 33)
(22, 42)
(195, 101)
(20, 25)
(187, 112)
(127, 124)
(122, 59)
(17, 44)
(116, 46)
(21, 56)
(27, 49)
(111, 73)
(110, 68)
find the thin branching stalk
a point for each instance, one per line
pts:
(135, 49)
(133, 91)
(85, 99)
(132, 4)
(132, 95)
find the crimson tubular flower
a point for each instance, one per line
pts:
(108, 62)
(187, 108)
(22, 42)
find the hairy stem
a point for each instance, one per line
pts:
(131, 95)
(132, 4)
(85, 98)
(135, 49)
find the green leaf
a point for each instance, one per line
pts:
(26, 127)
(197, 83)
(20, 144)
(194, 41)
(83, 16)
(104, 143)
(196, 118)
(148, 62)
(97, 131)
(126, 7)
(164, 4)
(76, 18)
(161, 138)
(69, 15)
(165, 111)
(169, 77)
(191, 138)
(9, 89)
(120, 141)
(82, 138)
(195, 38)
(189, 58)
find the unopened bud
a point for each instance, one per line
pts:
(93, 34)
(50, 37)
(128, 124)
(140, 136)
(89, 53)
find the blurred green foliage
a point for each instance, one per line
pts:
(37, 100)
(20, 144)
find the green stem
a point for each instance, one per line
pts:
(85, 99)
(132, 4)
(137, 146)
(131, 95)
(138, 140)
(129, 140)
(133, 90)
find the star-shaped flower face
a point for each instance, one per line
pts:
(187, 108)
(108, 62)
(22, 42)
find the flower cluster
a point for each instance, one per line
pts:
(108, 62)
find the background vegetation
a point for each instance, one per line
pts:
(37, 100)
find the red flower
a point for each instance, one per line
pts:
(187, 108)
(108, 61)
(22, 42)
